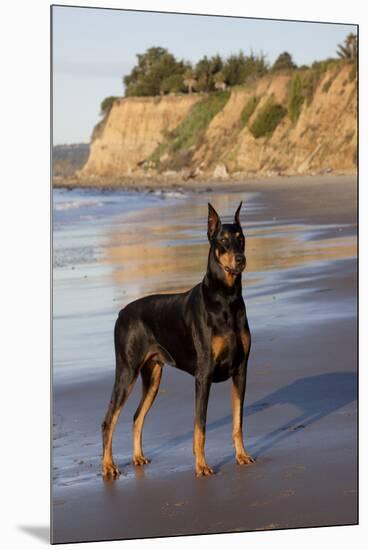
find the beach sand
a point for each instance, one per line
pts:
(300, 419)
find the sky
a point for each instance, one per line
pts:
(94, 48)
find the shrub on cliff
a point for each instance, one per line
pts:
(296, 97)
(353, 72)
(190, 131)
(311, 80)
(268, 119)
(248, 110)
(201, 114)
(301, 89)
(320, 67)
(106, 104)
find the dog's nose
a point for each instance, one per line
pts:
(239, 259)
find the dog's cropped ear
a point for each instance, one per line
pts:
(237, 214)
(214, 222)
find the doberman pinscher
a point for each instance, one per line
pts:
(203, 331)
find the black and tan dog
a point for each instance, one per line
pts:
(203, 331)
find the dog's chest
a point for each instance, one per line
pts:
(227, 353)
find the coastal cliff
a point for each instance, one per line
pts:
(131, 131)
(279, 124)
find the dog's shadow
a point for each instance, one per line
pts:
(315, 396)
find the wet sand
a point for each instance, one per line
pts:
(301, 412)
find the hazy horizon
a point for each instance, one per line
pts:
(93, 48)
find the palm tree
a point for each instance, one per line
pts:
(189, 80)
(349, 49)
(219, 80)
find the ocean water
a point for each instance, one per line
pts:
(111, 247)
(79, 216)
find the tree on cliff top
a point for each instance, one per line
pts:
(239, 68)
(159, 72)
(205, 70)
(284, 61)
(154, 67)
(173, 84)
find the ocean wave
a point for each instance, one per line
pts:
(69, 205)
(169, 194)
(65, 257)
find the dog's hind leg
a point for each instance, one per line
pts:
(124, 383)
(151, 373)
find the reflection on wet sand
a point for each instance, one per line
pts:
(165, 249)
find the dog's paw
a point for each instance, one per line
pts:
(140, 460)
(203, 470)
(244, 458)
(110, 471)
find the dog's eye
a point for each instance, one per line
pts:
(224, 240)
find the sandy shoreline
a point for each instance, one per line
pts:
(159, 181)
(300, 415)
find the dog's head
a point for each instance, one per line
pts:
(227, 243)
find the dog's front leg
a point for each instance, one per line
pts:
(202, 390)
(238, 393)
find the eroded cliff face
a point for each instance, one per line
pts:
(324, 137)
(132, 131)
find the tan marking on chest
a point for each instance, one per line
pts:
(218, 345)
